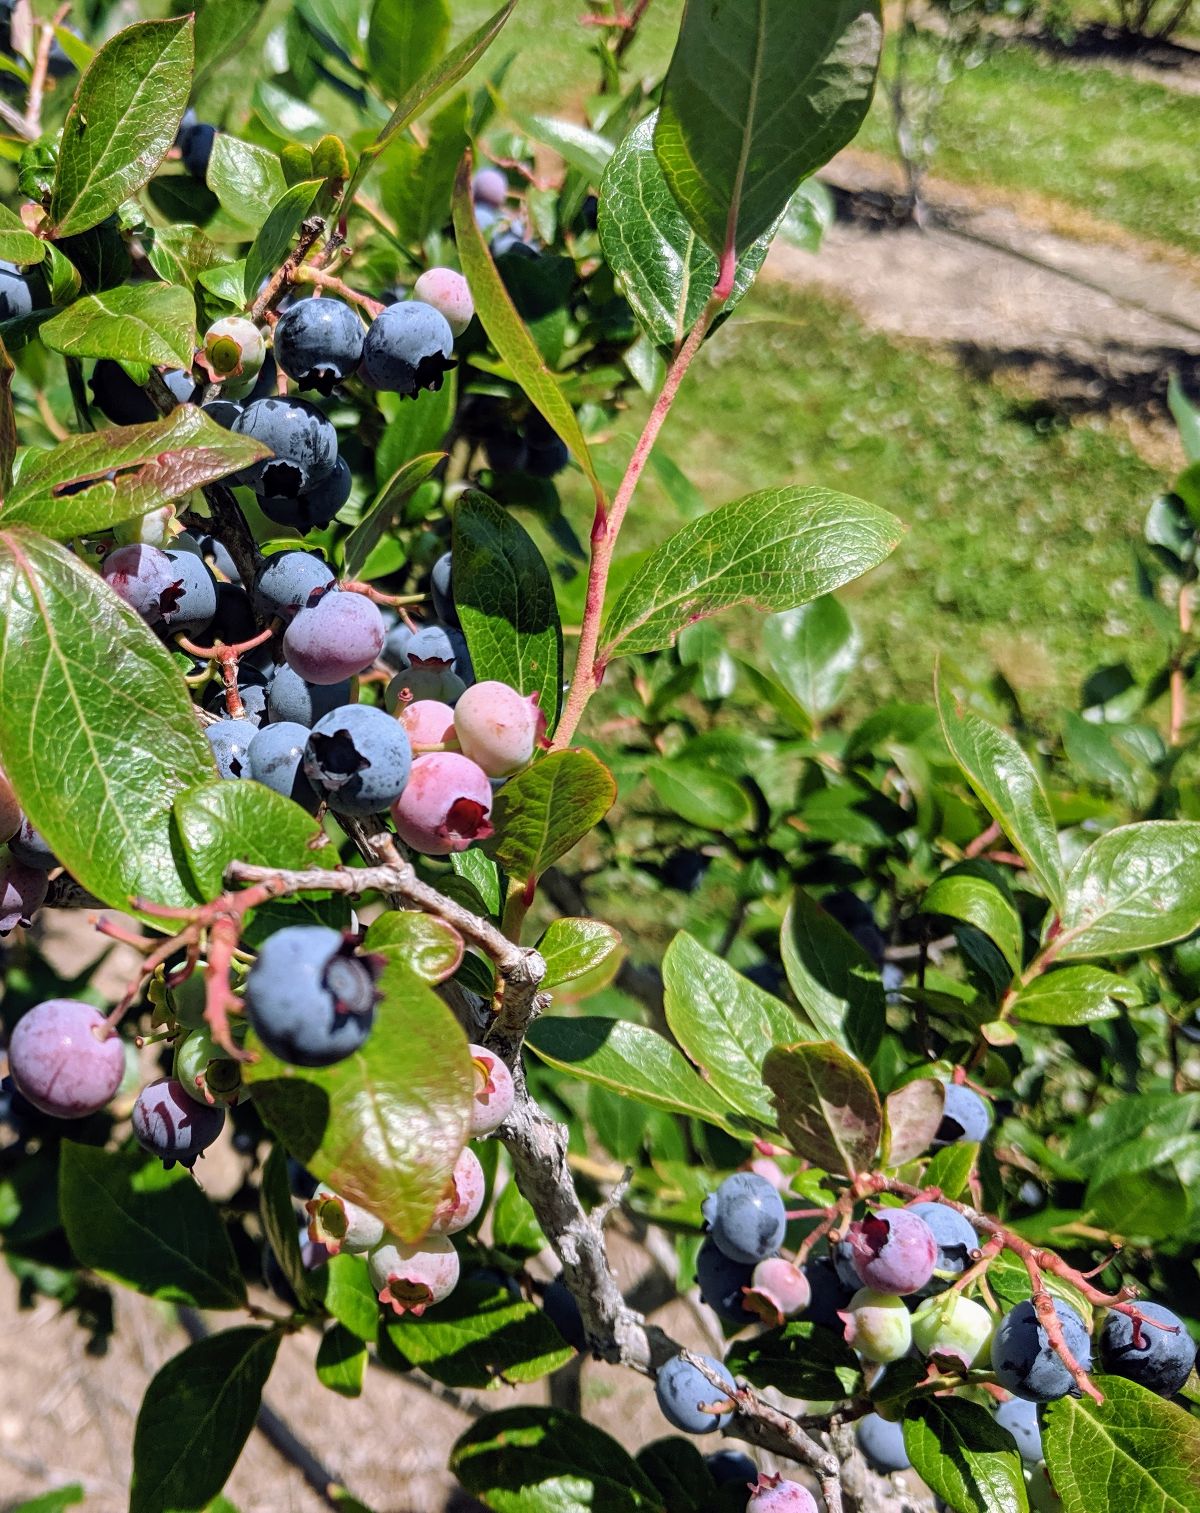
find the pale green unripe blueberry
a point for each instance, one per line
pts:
(338, 1224)
(234, 348)
(204, 1071)
(878, 1325)
(952, 1325)
(152, 529)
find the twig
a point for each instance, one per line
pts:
(1178, 671)
(284, 276)
(37, 82)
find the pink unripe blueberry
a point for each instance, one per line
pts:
(768, 1167)
(428, 722)
(494, 1091)
(878, 1325)
(411, 1278)
(775, 1495)
(498, 727)
(22, 893)
(464, 1196)
(490, 187)
(336, 638)
(778, 1290)
(337, 1224)
(446, 804)
(144, 577)
(448, 292)
(953, 1326)
(63, 1060)
(894, 1250)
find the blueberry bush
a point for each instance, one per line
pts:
(494, 886)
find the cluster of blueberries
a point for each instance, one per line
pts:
(888, 1286)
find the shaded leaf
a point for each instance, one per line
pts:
(965, 1456)
(419, 181)
(341, 1362)
(911, 1118)
(802, 1359)
(479, 1336)
(966, 896)
(277, 1214)
(380, 515)
(836, 982)
(827, 1105)
(812, 651)
(347, 1294)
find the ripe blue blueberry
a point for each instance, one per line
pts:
(721, 1281)
(302, 439)
(189, 606)
(1023, 1359)
(274, 759)
(965, 1116)
(409, 347)
(395, 648)
(893, 1249)
(745, 1217)
(955, 1241)
(1020, 1418)
(433, 682)
(830, 1294)
(684, 1394)
(1160, 1359)
(358, 759)
(313, 510)
(215, 553)
(318, 343)
(20, 293)
(223, 411)
(30, 848)
(230, 742)
(173, 1126)
(287, 582)
(291, 699)
(195, 147)
(441, 586)
(882, 1442)
(730, 1468)
(440, 645)
(125, 403)
(563, 1312)
(233, 621)
(842, 1255)
(509, 244)
(252, 688)
(490, 187)
(310, 998)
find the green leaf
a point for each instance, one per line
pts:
(629, 1059)
(484, 877)
(961, 1452)
(911, 1116)
(837, 984)
(147, 1228)
(573, 947)
(666, 272)
(196, 1416)
(180, 254)
(1186, 417)
(801, 1359)
(274, 241)
(771, 550)
(757, 97)
(341, 1361)
(542, 812)
(951, 1167)
(1074, 995)
(419, 181)
(125, 114)
(348, 1296)
(505, 600)
(154, 463)
(8, 424)
(247, 179)
(427, 947)
(135, 323)
(1143, 1118)
(531, 1460)
(97, 732)
(515, 1227)
(1007, 786)
(1133, 1450)
(277, 1214)
(221, 25)
(725, 1024)
(1136, 886)
(53, 1502)
(680, 1473)
(479, 1336)
(699, 794)
(968, 896)
(405, 40)
(812, 651)
(380, 515)
(1138, 1189)
(508, 332)
(417, 427)
(827, 1105)
(385, 1126)
(17, 245)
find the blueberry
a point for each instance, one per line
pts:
(745, 1217)
(22, 893)
(882, 1442)
(409, 347)
(230, 742)
(509, 244)
(309, 997)
(252, 688)
(274, 759)
(1160, 1359)
(730, 1468)
(358, 759)
(302, 439)
(955, 1241)
(20, 293)
(563, 1312)
(318, 343)
(441, 586)
(395, 648)
(215, 553)
(776, 1494)
(721, 1281)
(29, 847)
(1020, 1418)
(125, 403)
(233, 620)
(172, 1126)
(490, 187)
(336, 638)
(411, 1278)
(498, 728)
(63, 1061)
(894, 1250)
(780, 1288)
(683, 1393)
(965, 1116)
(1023, 1359)
(287, 582)
(431, 682)
(291, 699)
(338, 1224)
(191, 603)
(234, 349)
(449, 293)
(195, 147)
(878, 1325)
(204, 1071)
(314, 510)
(446, 804)
(952, 1326)
(461, 1202)
(223, 411)
(494, 1094)
(440, 644)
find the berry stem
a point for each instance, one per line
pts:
(322, 280)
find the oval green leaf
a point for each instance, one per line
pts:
(429, 947)
(481, 1336)
(545, 810)
(1136, 886)
(134, 323)
(573, 947)
(978, 901)
(837, 984)
(1073, 996)
(965, 1456)
(827, 1106)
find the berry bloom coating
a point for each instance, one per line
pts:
(192, 602)
(683, 1394)
(318, 342)
(830, 1295)
(338, 1224)
(339, 637)
(893, 1249)
(303, 440)
(722, 1283)
(409, 347)
(563, 1312)
(965, 1116)
(395, 648)
(953, 1326)
(955, 1242)
(448, 293)
(204, 1071)
(22, 893)
(490, 187)
(172, 1126)
(310, 998)
(411, 1278)
(1020, 1418)
(291, 700)
(274, 757)
(498, 728)
(843, 1263)
(143, 577)
(780, 1290)
(288, 582)
(494, 1092)
(252, 690)
(125, 403)
(745, 1217)
(1024, 1360)
(230, 742)
(234, 345)
(464, 1196)
(62, 1061)
(1160, 1359)
(440, 646)
(358, 759)
(446, 804)
(441, 586)
(314, 510)
(882, 1442)
(877, 1325)
(29, 847)
(775, 1495)
(427, 722)
(730, 1468)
